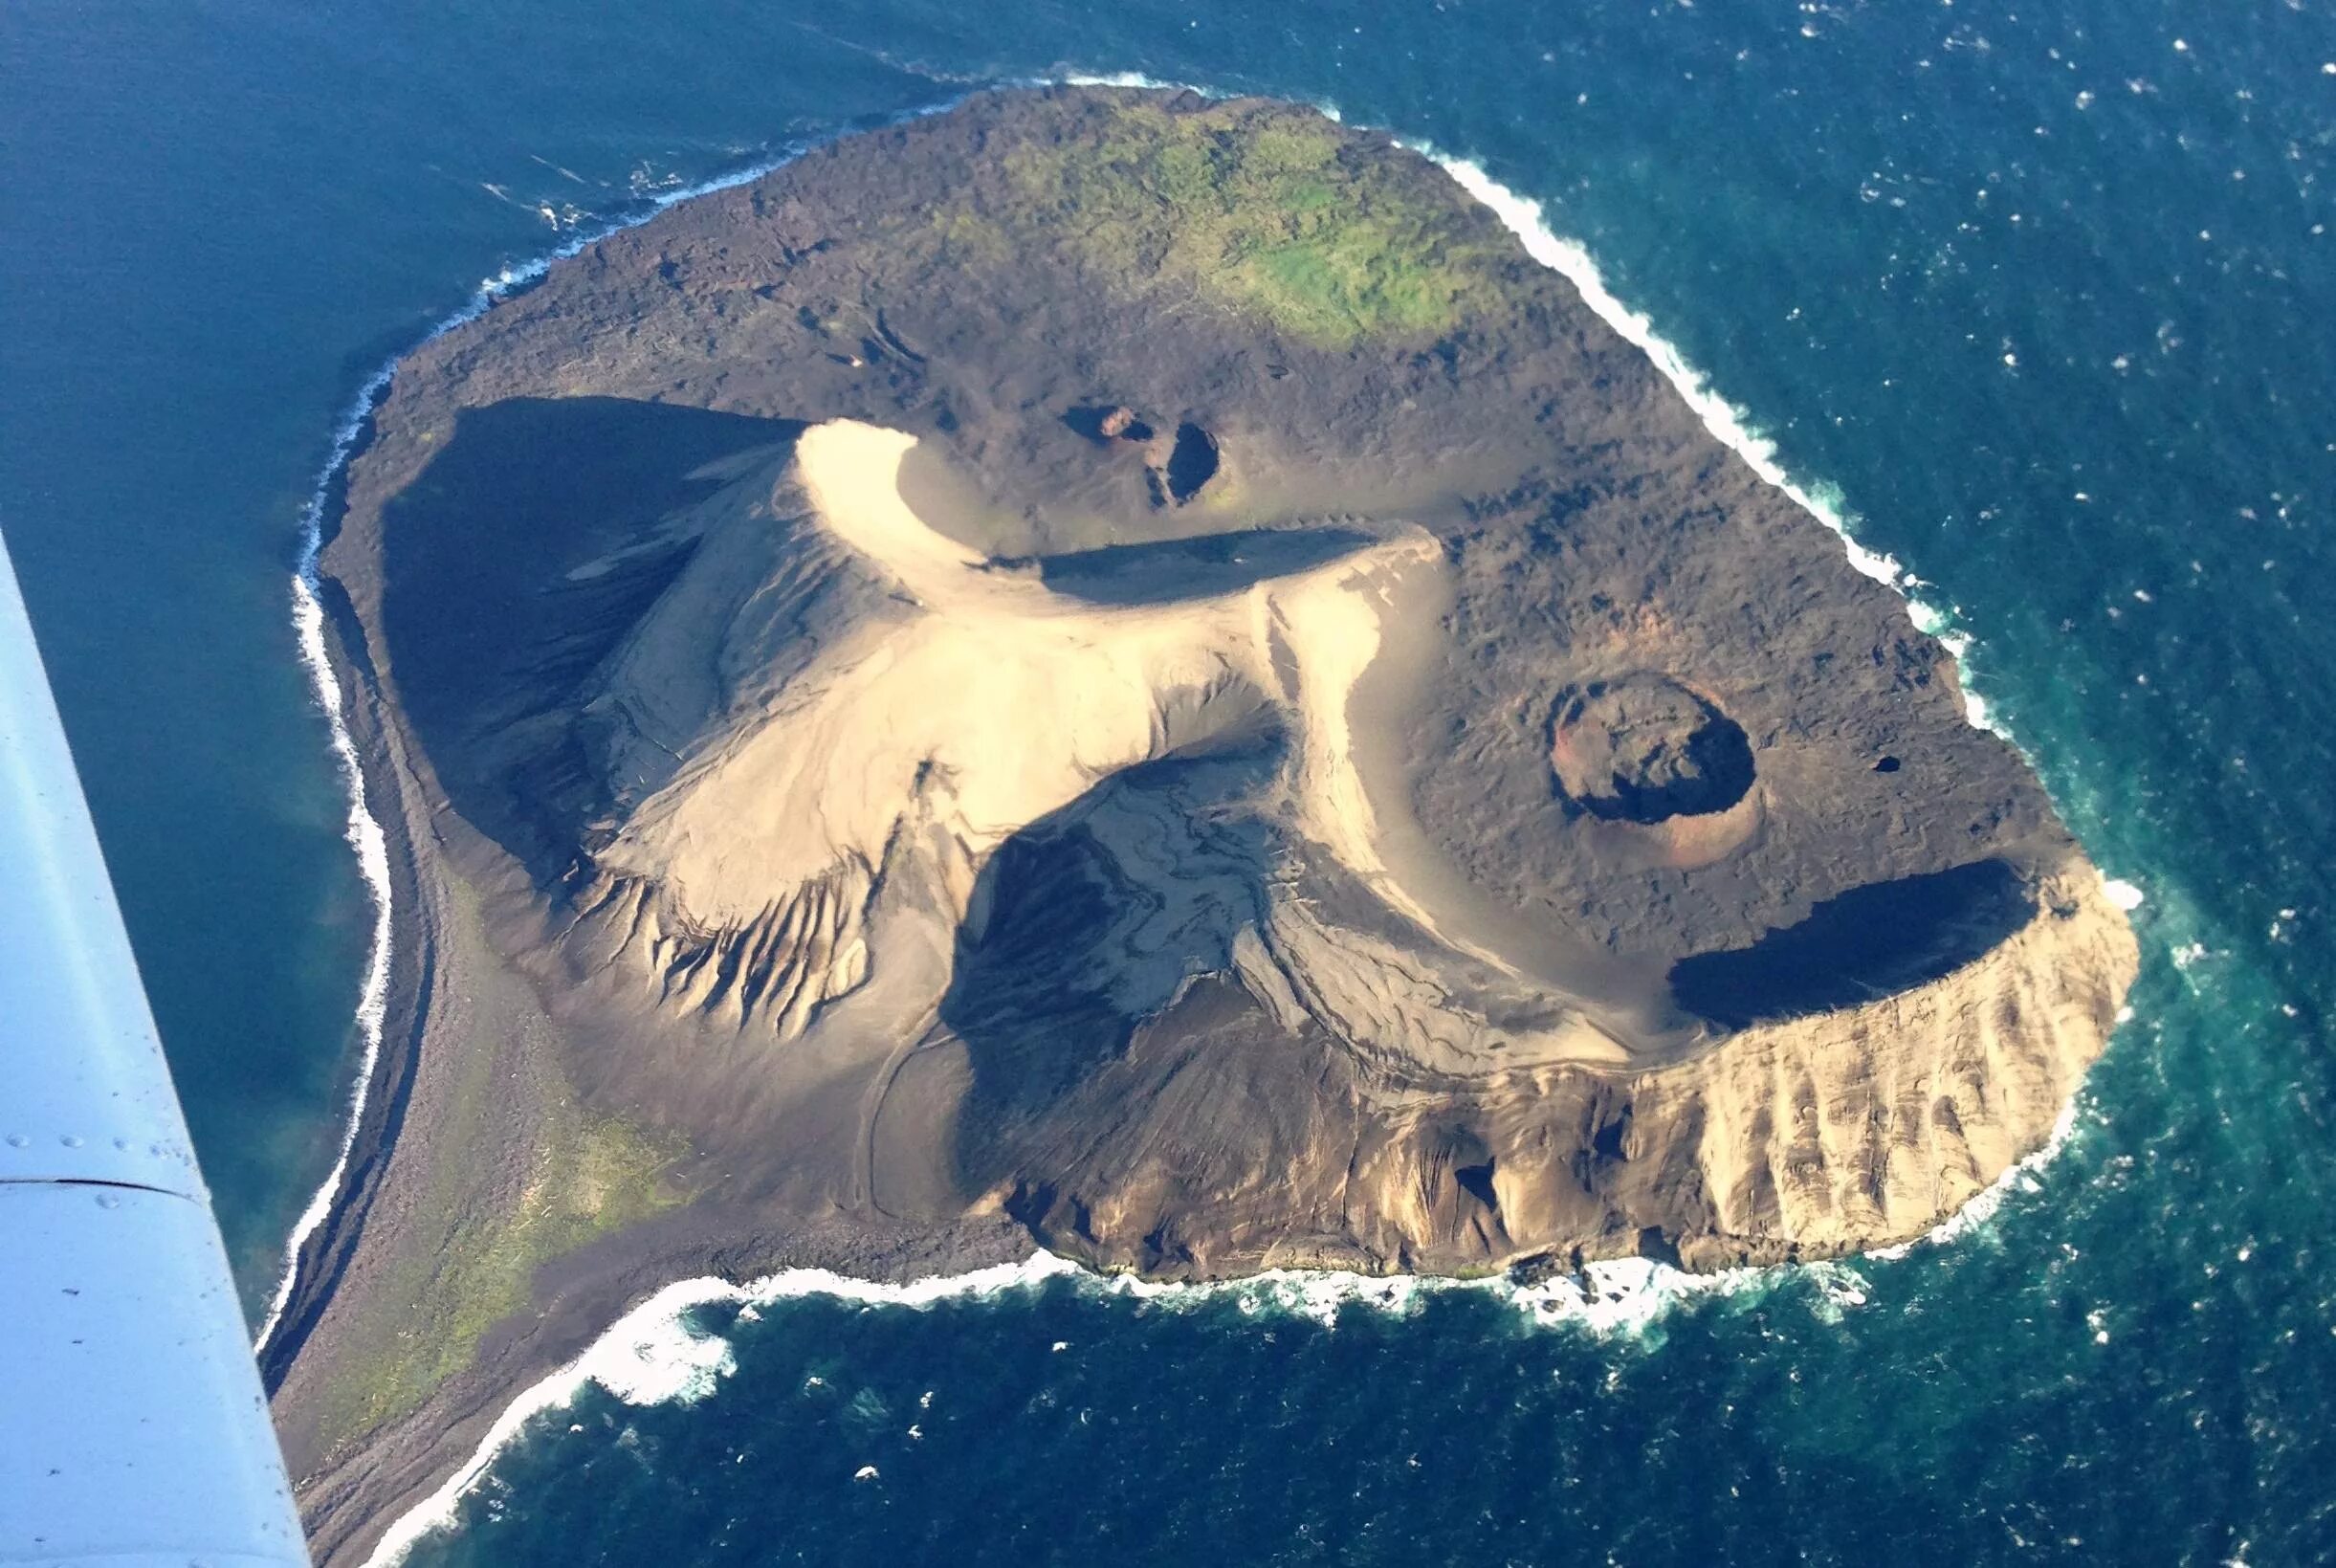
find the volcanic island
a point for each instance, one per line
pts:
(1124, 672)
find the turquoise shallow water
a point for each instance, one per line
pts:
(2043, 293)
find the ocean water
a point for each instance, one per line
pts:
(2037, 298)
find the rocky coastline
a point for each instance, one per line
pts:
(1126, 673)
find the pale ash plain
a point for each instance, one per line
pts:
(922, 717)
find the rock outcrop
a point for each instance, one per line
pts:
(1131, 669)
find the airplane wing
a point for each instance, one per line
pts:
(133, 1431)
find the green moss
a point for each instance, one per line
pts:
(960, 235)
(469, 1252)
(1278, 213)
(588, 1178)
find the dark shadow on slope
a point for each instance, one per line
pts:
(1192, 462)
(1194, 568)
(1089, 922)
(1645, 749)
(1868, 943)
(489, 624)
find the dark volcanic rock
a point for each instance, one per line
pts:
(1644, 748)
(1270, 736)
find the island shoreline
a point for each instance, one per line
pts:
(546, 1351)
(329, 652)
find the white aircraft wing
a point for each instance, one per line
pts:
(132, 1427)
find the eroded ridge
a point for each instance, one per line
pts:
(1128, 672)
(949, 706)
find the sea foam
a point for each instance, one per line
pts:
(653, 1354)
(1524, 217)
(364, 832)
(364, 829)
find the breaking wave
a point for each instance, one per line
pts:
(364, 835)
(364, 829)
(1524, 217)
(654, 1355)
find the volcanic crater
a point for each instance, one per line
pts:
(1127, 672)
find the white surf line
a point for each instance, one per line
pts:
(649, 1356)
(364, 831)
(1525, 217)
(1981, 1207)
(364, 835)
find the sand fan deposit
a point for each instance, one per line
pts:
(1124, 672)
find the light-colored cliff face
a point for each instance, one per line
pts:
(1365, 778)
(1813, 1137)
(1482, 1094)
(1823, 1134)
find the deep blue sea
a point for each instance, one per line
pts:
(2043, 293)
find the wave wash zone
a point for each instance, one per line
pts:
(1430, 494)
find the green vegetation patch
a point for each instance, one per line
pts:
(1274, 212)
(583, 1177)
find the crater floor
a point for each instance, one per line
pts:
(1125, 673)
